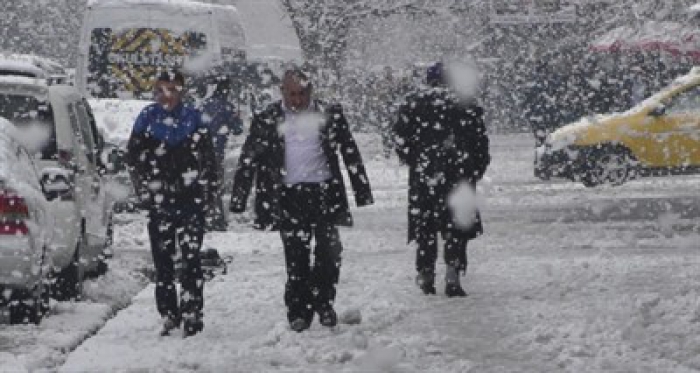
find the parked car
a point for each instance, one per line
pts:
(69, 159)
(26, 232)
(659, 136)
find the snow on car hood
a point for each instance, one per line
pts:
(566, 136)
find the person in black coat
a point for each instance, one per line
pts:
(173, 169)
(292, 156)
(443, 141)
(222, 119)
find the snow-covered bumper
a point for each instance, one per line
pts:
(19, 263)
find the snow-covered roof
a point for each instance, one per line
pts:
(22, 80)
(673, 37)
(21, 68)
(127, 3)
(49, 66)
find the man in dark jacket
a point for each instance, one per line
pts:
(292, 155)
(222, 119)
(443, 140)
(172, 166)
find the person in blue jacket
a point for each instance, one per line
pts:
(221, 117)
(172, 164)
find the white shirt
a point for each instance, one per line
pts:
(304, 159)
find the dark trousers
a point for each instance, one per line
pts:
(216, 217)
(168, 233)
(455, 250)
(309, 287)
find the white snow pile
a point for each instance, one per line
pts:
(116, 117)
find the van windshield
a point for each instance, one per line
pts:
(33, 114)
(124, 63)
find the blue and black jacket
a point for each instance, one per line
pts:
(221, 117)
(171, 159)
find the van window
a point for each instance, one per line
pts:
(85, 131)
(32, 113)
(93, 125)
(124, 63)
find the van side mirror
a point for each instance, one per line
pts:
(57, 183)
(658, 111)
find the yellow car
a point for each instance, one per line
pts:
(659, 136)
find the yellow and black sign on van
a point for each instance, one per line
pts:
(125, 63)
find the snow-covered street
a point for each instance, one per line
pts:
(565, 279)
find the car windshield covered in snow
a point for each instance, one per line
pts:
(31, 113)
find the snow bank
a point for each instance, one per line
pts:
(116, 117)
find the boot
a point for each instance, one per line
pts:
(192, 326)
(169, 324)
(299, 325)
(327, 316)
(452, 286)
(426, 281)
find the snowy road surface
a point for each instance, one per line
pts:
(565, 279)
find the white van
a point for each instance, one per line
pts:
(124, 44)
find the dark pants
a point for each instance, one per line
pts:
(309, 287)
(216, 218)
(433, 222)
(168, 233)
(455, 250)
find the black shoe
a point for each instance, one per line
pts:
(454, 290)
(299, 325)
(168, 326)
(327, 316)
(192, 327)
(426, 282)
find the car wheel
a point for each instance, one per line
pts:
(30, 306)
(613, 166)
(69, 281)
(101, 266)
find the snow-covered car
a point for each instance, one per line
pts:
(33, 66)
(26, 232)
(68, 151)
(659, 136)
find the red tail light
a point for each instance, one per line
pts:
(13, 213)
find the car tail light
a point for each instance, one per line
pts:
(13, 213)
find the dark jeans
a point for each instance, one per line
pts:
(427, 240)
(216, 218)
(308, 287)
(173, 234)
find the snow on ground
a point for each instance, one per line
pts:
(45, 347)
(565, 279)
